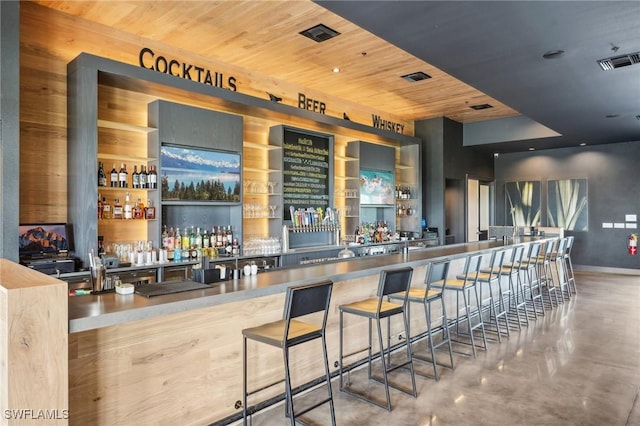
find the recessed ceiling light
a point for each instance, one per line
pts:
(336, 69)
(612, 115)
(583, 144)
(319, 33)
(481, 106)
(416, 76)
(532, 149)
(553, 54)
(496, 155)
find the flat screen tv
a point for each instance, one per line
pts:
(196, 174)
(44, 239)
(377, 188)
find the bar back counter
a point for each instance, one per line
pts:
(177, 359)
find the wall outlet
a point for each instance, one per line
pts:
(401, 336)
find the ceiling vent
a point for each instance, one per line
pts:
(319, 33)
(416, 76)
(481, 106)
(619, 61)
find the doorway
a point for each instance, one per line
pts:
(479, 212)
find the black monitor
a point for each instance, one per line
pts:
(44, 239)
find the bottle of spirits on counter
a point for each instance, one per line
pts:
(185, 242)
(135, 178)
(165, 237)
(143, 177)
(102, 176)
(152, 178)
(205, 239)
(198, 242)
(170, 239)
(123, 176)
(118, 212)
(177, 241)
(114, 177)
(128, 208)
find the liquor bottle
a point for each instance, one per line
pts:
(152, 178)
(118, 213)
(128, 208)
(205, 239)
(185, 241)
(229, 236)
(219, 237)
(192, 237)
(150, 210)
(114, 177)
(123, 176)
(135, 178)
(100, 207)
(102, 176)
(165, 237)
(143, 177)
(177, 241)
(106, 209)
(198, 241)
(170, 239)
(139, 210)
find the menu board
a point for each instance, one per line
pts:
(306, 168)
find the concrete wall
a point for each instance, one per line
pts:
(613, 192)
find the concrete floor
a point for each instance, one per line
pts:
(577, 365)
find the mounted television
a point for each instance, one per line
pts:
(44, 239)
(377, 188)
(196, 174)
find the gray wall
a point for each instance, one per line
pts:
(613, 191)
(446, 163)
(9, 128)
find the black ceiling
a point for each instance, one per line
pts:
(497, 48)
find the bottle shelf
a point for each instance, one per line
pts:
(345, 158)
(118, 189)
(255, 169)
(108, 124)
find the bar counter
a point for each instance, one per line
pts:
(177, 359)
(96, 311)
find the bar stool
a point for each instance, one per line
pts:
(491, 277)
(561, 270)
(390, 282)
(569, 265)
(436, 271)
(546, 274)
(517, 299)
(533, 287)
(290, 331)
(463, 287)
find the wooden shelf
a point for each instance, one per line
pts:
(255, 169)
(125, 158)
(108, 124)
(254, 145)
(343, 158)
(347, 177)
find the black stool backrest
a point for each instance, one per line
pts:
(307, 299)
(394, 281)
(437, 271)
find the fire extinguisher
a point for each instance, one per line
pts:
(632, 244)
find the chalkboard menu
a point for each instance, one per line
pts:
(306, 170)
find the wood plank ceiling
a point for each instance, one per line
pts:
(263, 36)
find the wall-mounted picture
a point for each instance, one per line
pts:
(523, 203)
(567, 202)
(377, 187)
(195, 174)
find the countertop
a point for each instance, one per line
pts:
(97, 311)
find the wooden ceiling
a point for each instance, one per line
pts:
(263, 37)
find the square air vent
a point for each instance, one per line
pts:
(608, 64)
(416, 76)
(481, 106)
(319, 33)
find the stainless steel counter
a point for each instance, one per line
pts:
(97, 311)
